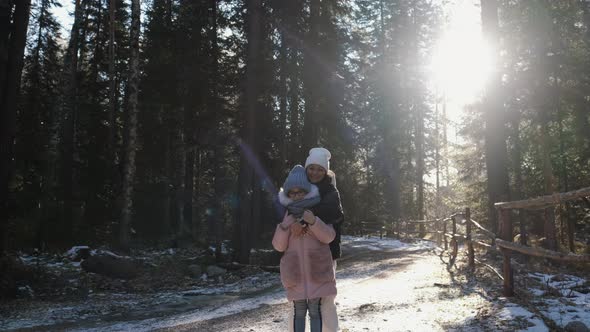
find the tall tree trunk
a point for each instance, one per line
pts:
(390, 132)
(437, 157)
(216, 217)
(409, 210)
(445, 140)
(94, 207)
(283, 100)
(44, 196)
(12, 47)
(168, 203)
(419, 121)
(564, 215)
(178, 168)
(168, 183)
(188, 163)
(186, 229)
(6, 16)
(581, 114)
(131, 144)
(249, 183)
(69, 114)
(545, 101)
(292, 34)
(420, 167)
(112, 83)
(295, 143)
(494, 117)
(549, 179)
(393, 182)
(311, 76)
(517, 169)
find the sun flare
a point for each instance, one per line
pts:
(461, 60)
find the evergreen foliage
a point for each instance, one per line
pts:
(233, 93)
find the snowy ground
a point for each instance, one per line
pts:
(383, 285)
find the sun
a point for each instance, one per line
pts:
(461, 62)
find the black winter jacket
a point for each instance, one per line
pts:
(329, 209)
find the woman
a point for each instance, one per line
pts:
(329, 210)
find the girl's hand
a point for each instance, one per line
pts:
(298, 230)
(309, 217)
(288, 220)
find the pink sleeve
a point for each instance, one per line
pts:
(280, 241)
(324, 233)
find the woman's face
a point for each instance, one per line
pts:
(315, 173)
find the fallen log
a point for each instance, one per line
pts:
(236, 266)
(111, 266)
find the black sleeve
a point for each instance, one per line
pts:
(329, 209)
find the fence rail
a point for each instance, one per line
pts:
(544, 201)
(540, 252)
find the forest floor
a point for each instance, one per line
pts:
(383, 285)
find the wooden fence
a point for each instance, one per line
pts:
(506, 232)
(448, 231)
(465, 230)
(460, 228)
(475, 233)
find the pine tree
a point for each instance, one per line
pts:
(496, 155)
(158, 97)
(14, 18)
(250, 190)
(38, 120)
(131, 129)
(69, 110)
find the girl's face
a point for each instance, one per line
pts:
(315, 173)
(296, 194)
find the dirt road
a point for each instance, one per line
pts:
(383, 285)
(382, 288)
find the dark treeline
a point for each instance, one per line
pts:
(175, 123)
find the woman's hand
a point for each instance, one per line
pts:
(309, 217)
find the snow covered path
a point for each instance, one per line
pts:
(383, 285)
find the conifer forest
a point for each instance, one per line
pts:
(128, 123)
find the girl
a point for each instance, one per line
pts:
(307, 270)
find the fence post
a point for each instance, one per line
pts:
(470, 251)
(549, 228)
(454, 240)
(407, 234)
(437, 228)
(506, 228)
(571, 228)
(445, 234)
(523, 228)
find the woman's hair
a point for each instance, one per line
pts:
(332, 176)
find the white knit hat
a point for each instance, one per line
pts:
(319, 156)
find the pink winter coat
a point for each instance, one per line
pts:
(307, 269)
